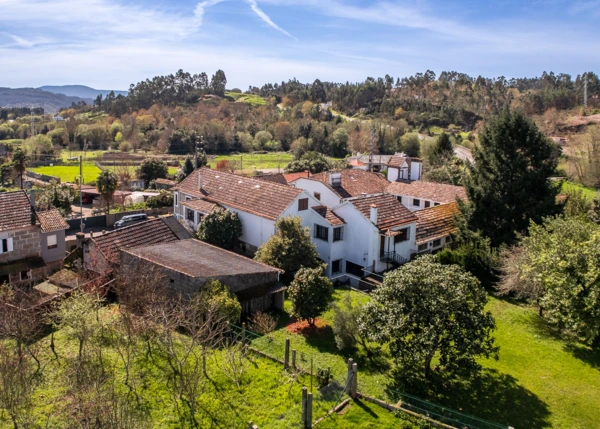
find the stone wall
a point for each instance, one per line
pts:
(26, 244)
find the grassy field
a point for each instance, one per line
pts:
(539, 381)
(249, 161)
(68, 173)
(253, 99)
(589, 193)
(14, 142)
(267, 394)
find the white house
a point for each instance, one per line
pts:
(418, 195)
(379, 234)
(333, 187)
(258, 203)
(404, 168)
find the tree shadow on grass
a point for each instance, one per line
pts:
(488, 395)
(586, 354)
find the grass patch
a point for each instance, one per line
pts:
(253, 99)
(68, 173)
(14, 142)
(540, 381)
(360, 414)
(260, 161)
(88, 155)
(435, 130)
(589, 193)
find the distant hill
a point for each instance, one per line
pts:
(32, 97)
(79, 91)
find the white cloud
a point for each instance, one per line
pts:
(201, 8)
(266, 18)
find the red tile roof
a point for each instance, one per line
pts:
(153, 231)
(290, 177)
(200, 205)
(396, 161)
(275, 177)
(436, 192)
(390, 212)
(15, 210)
(52, 220)
(328, 215)
(436, 222)
(357, 163)
(259, 197)
(355, 182)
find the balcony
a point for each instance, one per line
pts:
(392, 258)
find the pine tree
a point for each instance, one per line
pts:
(509, 184)
(188, 166)
(443, 151)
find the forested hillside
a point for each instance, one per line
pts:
(31, 97)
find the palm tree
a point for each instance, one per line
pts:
(20, 161)
(107, 183)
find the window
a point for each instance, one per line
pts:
(336, 267)
(416, 202)
(436, 204)
(427, 204)
(399, 198)
(437, 243)
(403, 235)
(338, 233)
(187, 198)
(176, 196)
(189, 214)
(318, 196)
(51, 242)
(302, 204)
(25, 275)
(321, 232)
(422, 247)
(6, 245)
(354, 269)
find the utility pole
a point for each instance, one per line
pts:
(80, 196)
(585, 89)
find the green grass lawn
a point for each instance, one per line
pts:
(253, 99)
(539, 381)
(14, 142)
(68, 173)
(589, 193)
(260, 161)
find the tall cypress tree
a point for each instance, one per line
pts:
(443, 151)
(509, 184)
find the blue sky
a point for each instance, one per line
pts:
(109, 44)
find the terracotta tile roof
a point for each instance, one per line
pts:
(328, 215)
(178, 229)
(290, 177)
(355, 182)
(52, 220)
(153, 231)
(436, 222)
(390, 212)
(196, 258)
(396, 161)
(165, 182)
(259, 197)
(357, 163)
(202, 205)
(436, 192)
(15, 210)
(275, 177)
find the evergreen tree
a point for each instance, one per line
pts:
(290, 248)
(311, 292)
(443, 151)
(20, 160)
(188, 167)
(106, 184)
(220, 228)
(509, 185)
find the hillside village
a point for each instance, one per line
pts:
(229, 262)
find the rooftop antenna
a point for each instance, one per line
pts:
(585, 89)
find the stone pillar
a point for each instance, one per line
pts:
(354, 382)
(309, 402)
(349, 376)
(304, 403)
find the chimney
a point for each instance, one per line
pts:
(373, 214)
(32, 206)
(199, 181)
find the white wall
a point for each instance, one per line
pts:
(328, 197)
(392, 174)
(360, 236)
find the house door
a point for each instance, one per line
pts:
(381, 245)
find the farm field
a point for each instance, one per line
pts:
(271, 160)
(540, 381)
(253, 99)
(68, 173)
(589, 193)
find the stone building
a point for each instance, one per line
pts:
(189, 264)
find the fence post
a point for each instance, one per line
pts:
(286, 359)
(294, 358)
(309, 403)
(304, 403)
(349, 376)
(243, 332)
(354, 383)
